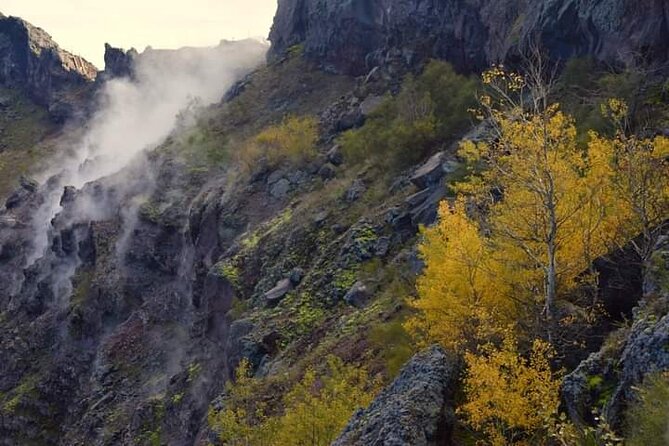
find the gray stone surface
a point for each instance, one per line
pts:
(358, 295)
(416, 409)
(282, 288)
(31, 61)
(355, 37)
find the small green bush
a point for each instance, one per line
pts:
(293, 140)
(429, 109)
(648, 418)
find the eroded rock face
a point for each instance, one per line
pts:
(31, 61)
(416, 409)
(355, 37)
(119, 63)
(608, 377)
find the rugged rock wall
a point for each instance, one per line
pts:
(354, 37)
(609, 376)
(31, 61)
(118, 63)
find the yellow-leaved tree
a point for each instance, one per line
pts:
(523, 233)
(533, 216)
(637, 179)
(459, 295)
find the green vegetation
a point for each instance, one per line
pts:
(194, 370)
(151, 430)
(82, 282)
(27, 387)
(394, 344)
(293, 140)
(23, 128)
(229, 272)
(584, 87)
(647, 420)
(430, 109)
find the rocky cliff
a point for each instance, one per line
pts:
(354, 37)
(31, 61)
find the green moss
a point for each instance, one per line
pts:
(26, 388)
(83, 282)
(365, 234)
(602, 388)
(176, 398)
(150, 211)
(194, 370)
(229, 272)
(345, 279)
(250, 242)
(308, 317)
(296, 50)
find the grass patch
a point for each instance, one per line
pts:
(23, 126)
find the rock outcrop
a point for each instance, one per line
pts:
(119, 63)
(607, 378)
(416, 409)
(32, 62)
(355, 37)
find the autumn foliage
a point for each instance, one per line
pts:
(520, 238)
(511, 398)
(293, 140)
(314, 412)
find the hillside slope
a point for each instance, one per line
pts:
(164, 252)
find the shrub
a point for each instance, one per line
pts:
(316, 409)
(292, 140)
(429, 109)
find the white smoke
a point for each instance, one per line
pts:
(138, 114)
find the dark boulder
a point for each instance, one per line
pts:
(416, 409)
(335, 155)
(358, 295)
(327, 171)
(430, 172)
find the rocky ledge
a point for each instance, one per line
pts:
(32, 62)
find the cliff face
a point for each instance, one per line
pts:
(118, 63)
(354, 37)
(32, 62)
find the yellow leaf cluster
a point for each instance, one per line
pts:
(459, 293)
(509, 398)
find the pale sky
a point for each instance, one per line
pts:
(83, 26)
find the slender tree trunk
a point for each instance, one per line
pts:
(551, 282)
